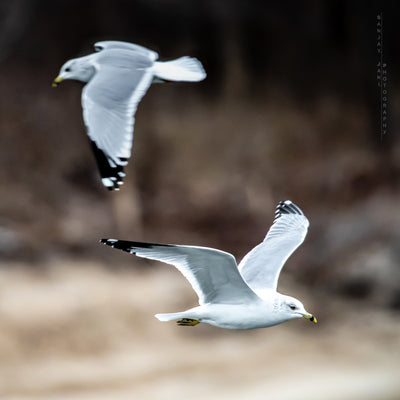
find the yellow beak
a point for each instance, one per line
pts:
(57, 81)
(310, 317)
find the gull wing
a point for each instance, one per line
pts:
(261, 267)
(115, 44)
(109, 102)
(212, 273)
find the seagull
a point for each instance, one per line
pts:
(116, 78)
(231, 296)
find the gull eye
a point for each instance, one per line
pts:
(292, 306)
(67, 69)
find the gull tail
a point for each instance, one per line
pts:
(169, 317)
(185, 69)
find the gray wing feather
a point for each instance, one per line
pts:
(115, 44)
(212, 273)
(110, 101)
(261, 267)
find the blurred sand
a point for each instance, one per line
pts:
(83, 331)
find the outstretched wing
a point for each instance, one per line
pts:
(109, 104)
(261, 267)
(212, 273)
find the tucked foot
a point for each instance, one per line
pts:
(188, 322)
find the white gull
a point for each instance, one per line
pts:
(231, 296)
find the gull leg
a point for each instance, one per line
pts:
(188, 322)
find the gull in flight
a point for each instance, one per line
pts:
(231, 296)
(117, 76)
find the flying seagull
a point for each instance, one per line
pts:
(117, 76)
(231, 296)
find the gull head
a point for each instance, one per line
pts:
(79, 69)
(294, 308)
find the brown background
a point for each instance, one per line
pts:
(290, 109)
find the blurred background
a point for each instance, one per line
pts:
(290, 109)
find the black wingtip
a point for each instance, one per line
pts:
(287, 207)
(109, 242)
(123, 245)
(128, 246)
(112, 174)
